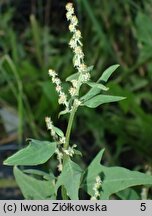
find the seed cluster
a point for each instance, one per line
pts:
(59, 140)
(60, 158)
(76, 46)
(69, 151)
(96, 188)
(62, 96)
(49, 125)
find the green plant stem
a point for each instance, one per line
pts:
(68, 132)
(66, 145)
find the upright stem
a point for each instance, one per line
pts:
(66, 145)
(68, 132)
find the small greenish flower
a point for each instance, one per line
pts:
(60, 159)
(52, 73)
(73, 43)
(77, 102)
(49, 125)
(72, 91)
(69, 151)
(85, 77)
(96, 188)
(82, 67)
(69, 7)
(62, 140)
(62, 96)
(58, 88)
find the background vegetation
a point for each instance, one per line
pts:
(34, 37)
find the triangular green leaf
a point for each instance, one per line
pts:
(91, 173)
(107, 73)
(37, 152)
(114, 179)
(70, 179)
(101, 99)
(32, 188)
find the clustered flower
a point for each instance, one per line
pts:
(85, 77)
(73, 91)
(62, 140)
(57, 139)
(49, 125)
(69, 151)
(60, 152)
(62, 96)
(76, 45)
(96, 188)
(60, 158)
(77, 102)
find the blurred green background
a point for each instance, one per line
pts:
(34, 37)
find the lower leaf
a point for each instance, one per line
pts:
(37, 152)
(32, 188)
(114, 179)
(70, 179)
